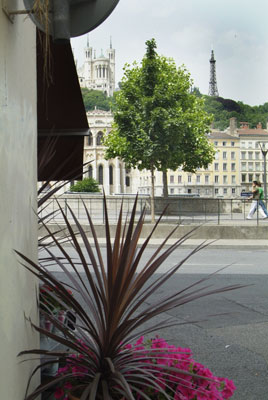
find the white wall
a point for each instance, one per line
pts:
(18, 227)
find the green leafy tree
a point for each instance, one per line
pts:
(86, 185)
(158, 123)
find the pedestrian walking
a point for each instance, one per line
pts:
(255, 202)
(261, 198)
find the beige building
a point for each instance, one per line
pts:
(238, 161)
(221, 178)
(226, 166)
(251, 158)
(111, 174)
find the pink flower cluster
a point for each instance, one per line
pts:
(180, 386)
(77, 371)
(173, 368)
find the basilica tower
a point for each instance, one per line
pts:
(98, 73)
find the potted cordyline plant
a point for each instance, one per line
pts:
(108, 357)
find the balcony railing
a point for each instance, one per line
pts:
(186, 210)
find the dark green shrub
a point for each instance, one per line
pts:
(86, 185)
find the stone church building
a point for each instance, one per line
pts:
(111, 174)
(98, 73)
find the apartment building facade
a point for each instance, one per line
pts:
(252, 141)
(238, 161)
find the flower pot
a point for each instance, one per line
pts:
(72, 396)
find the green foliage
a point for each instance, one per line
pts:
(86, 185)
(224, 109)
(96, 98)
(158, 123)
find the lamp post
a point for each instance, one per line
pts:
(264, 152)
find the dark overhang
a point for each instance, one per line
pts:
(61, 115)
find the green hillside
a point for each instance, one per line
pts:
(224, 109)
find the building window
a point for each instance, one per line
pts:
(99, 138)
(216, 179)
(90, 171)
(216, 166)
(257, 155)
(243, 155)
(224, 190)
(243, 166)
(111, 179)
(90, 139)
(224, 166)
(207, 191)
(250, 145)
(172, 191)
(250, 177)
(224, 143)
(250, 155)
(197, 178)
(233, 179)
(179, 178)
(257, 177)
(244, 178)
(224, 179)
(216, 143)
(233, 167)
(171, 178)
(206, 179)
(217, 155)
(189, 191)
(243, 145)
(233, 190)
(216, 191)
(224, 155)
(101, 175)
(232, 144)
(127, 181)
(232, 155)
(189, 179)
(250, 166)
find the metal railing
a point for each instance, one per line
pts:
(179, 210)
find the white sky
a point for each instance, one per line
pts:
(187, 30)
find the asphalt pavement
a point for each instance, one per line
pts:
(228, 332)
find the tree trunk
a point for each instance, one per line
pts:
(165, 185)
(152, 196)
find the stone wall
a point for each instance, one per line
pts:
(18, 227)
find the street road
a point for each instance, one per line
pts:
(208, 260)
(227, 332)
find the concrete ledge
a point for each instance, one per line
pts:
(237, 231)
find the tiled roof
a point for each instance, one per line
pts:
(252, 132)
(221, 135)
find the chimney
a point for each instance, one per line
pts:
(233, 126)
(244, 125)
(259, 125)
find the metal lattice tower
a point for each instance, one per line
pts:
(213, 90)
